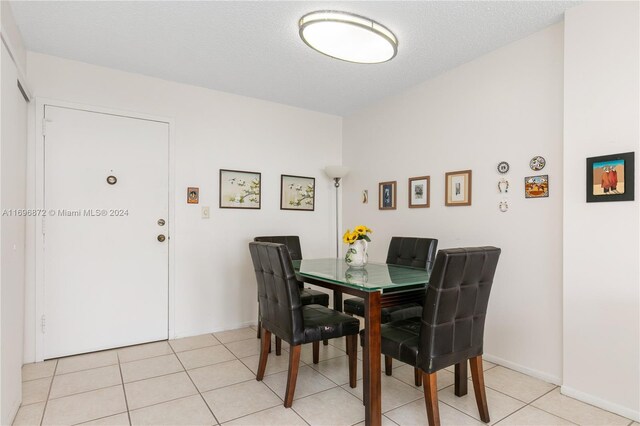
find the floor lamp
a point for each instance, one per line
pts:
(337, 173)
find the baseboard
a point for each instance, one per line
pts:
(217, 330)
(522, 369)
(601, 403)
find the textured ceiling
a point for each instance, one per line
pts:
(253, 48)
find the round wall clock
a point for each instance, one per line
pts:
(503, 167)
(537, 163)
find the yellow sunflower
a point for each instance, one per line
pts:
(349, 237)
(360, 229)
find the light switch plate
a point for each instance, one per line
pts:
(205, 212)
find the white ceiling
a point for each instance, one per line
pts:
(252, 48)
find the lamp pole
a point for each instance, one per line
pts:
(337, 185)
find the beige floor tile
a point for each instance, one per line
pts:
(248, 347)
(193, 342)
(148, 350)
(394, 393)
(341, 344)
(240, 399)
(416, 414)
(486, 365)
(38, 370)
(578, 412)
(85, 406)
(331, 407)
(121, 419)
(159, 389)
(85, 380)
(337, 369)
(531, 416)
(385, 422)
(275, 364)
(150, 367)
(219, 375)
(235, 335)
(205, 356)
(273, 416)
(35, 390)
(405, 373)
(518, 385)
(500, 405)
(29, 415)
(325, 353)
(189, 411)
(309, 382)
(86, 361)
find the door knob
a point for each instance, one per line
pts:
(161, 222)
(161, 238)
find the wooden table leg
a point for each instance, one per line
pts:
(372, 380)
(337, 300)
(460, 385)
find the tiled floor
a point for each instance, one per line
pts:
(210, 379)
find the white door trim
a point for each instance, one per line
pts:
(39, 205)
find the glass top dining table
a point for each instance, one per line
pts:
(373, 277)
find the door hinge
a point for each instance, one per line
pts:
(42, 324)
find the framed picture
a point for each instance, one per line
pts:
(297, 193)
(387, 195)
(536, 186)
(610, 178)
(239, 189)
(458, 188)
(419, 191)
(193, 195)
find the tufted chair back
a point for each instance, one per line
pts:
(414, 252)
(455, 306)
(278, 293)
(291, 241)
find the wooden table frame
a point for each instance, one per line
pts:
(373, 302)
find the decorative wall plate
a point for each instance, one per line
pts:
(503, 167)
(537, 163)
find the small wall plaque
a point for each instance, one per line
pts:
(193, 195)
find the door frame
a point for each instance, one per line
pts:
(39, 184)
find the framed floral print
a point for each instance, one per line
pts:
(387, 195)
(239, 189)
(458, 188)
(419, 191)
(297, 193)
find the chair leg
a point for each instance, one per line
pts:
(352, 341)
(292, 377)
(388, 365)
(460, 380)
(264, 353)
(316, 351)
(477, 376)
(278, 346)
(417, 376)
(431, 398)
(259, 328)
(325, 342)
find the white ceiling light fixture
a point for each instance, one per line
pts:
(348, 37)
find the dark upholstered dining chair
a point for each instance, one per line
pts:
(404, 251)
(284, 315)
(451, 328)
(308, 296)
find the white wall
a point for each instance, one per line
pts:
(13, 153)
(601, 240)
(506, 105)
(215, 284)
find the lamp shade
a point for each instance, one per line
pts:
(336, 171)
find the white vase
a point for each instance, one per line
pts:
(357, 256)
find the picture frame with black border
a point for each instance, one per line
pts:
(297, 193)
(240, 189)
(610, 178)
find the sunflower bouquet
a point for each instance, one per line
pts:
(360, 232)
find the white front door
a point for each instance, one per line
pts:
(106, 194)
